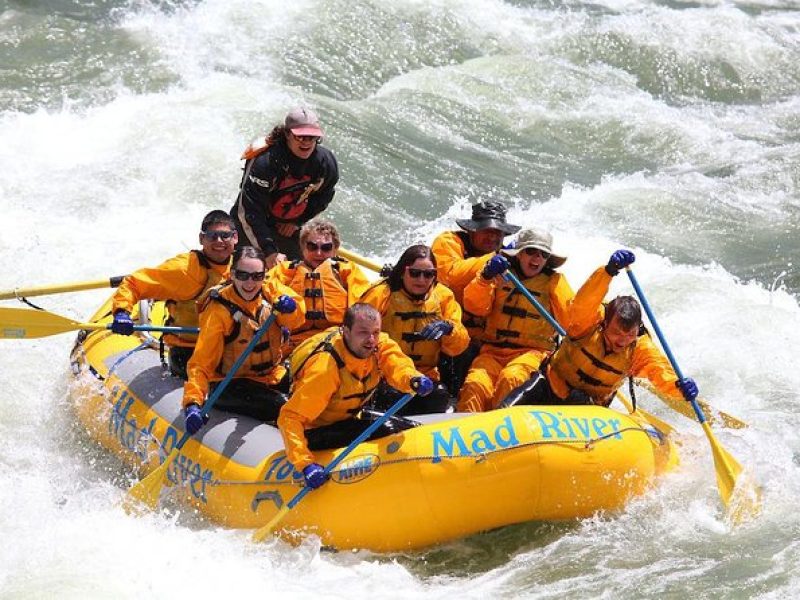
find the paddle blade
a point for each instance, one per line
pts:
(148, 491)
(741, 496)
(267, 529)
(24, 323)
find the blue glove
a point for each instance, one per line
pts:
(510, 245)
(193, 419)
(314, 475)
(435, 330)
(422, 385)
(497, 265)
(285, 304)
(123, 324)
(688, 387)
(619, 260)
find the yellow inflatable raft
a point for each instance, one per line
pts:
(452, 476)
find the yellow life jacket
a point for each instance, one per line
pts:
(584, 365)
(404, 317)
(267, 352)
(323, 291)
(353, 391)
(514, 322)
(184, 313)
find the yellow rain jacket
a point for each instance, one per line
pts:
(332, 386)
(180, 281)
(226, 327)
(582, 362)
(403, 316)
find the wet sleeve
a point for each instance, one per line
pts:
(397, 368)
(214, 326)
(453, 269)
(357, 283)
(650, 363)
(273, 289)
(377, 296)
(317, 383)
(561, 296)
(179, 278)
(586, 308)
(455, 343)
(479, 295)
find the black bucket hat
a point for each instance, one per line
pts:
(488, 215)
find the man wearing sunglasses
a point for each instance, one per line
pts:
(460, 255)
(288, 180)
(180, 281)
(517, 338)
(327, 283)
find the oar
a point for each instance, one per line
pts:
(360, 260)
(267, 529)
(747, 502)
(18, 323)
(713, 415)
(77, 286)
(148, 490)
(509, 276)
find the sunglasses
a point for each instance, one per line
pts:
(305, 138)
(245, 275)
(417, 273)
(535, 251)
(217, 235)
(325, 247)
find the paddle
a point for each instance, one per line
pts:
(148, 490)
(509, 276)
(64, 287)
(714, 416)
(18, 323)
(747, 502)
(359, 260)
(267, 529)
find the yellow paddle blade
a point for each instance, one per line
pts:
(267, 529)
(662, 426)
(741, 496)
(19, 323)
(148, 491)
(359, 260)
(714, 416)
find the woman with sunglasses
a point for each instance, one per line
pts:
(423, 317)
(327, 283)
(230, 315)
(517, 338)
(180, 281)
(288, 180)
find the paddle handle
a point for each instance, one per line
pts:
(57, 289)
(401, 402)
(509, 276)
(359, 260)
(646, 305)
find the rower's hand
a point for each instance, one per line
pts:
(435, 330)
(618, 261)
(422, 385)
(193, 419)
(314, 476)
(285, 304)
(123, 324)
(497, 265)
(688, 386)
(273, 259)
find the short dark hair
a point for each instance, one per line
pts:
(217, 217)
(626, 309)
(411, 254)
(360, 309)
(247, 252)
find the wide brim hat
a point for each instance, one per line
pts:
(539, 239)
(302, 121)
(488, 215)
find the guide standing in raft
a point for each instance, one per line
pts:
(289, 178)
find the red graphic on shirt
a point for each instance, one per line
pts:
(292, 198)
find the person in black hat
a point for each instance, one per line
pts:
(460, 256)
(288, 180)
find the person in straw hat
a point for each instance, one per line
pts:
(516, 338)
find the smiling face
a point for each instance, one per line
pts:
(532, 261)
(215, 247)
(362, 338)
(486, 240)
(302, 146)
(418, 277)
(248, 277)
(317, 248)
(617, 337)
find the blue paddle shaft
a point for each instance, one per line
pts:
(361, 437)
(700, 416)
(509, 276)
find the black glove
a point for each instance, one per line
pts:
(619, 260)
